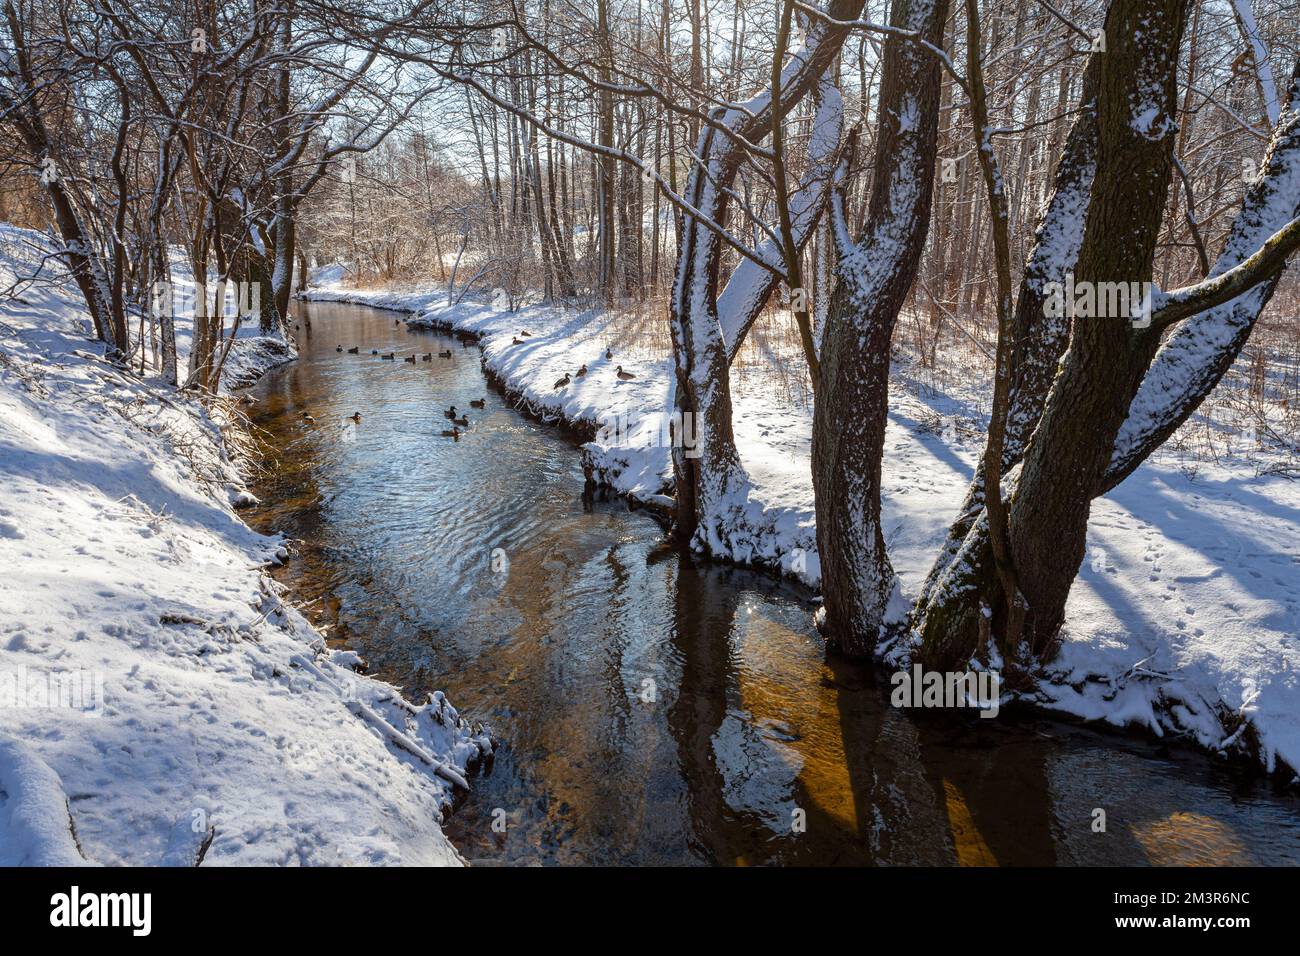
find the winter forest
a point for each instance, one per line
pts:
(649, 432)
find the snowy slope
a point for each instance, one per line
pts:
(1185, 619)
(159, 701)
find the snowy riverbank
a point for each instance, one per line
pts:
(160, 703)
(1185, 618)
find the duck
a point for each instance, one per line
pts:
(466, 343)
(515, 341)
(338, 348)
(477, 402)
(525, 333)
(622, 374)
(446, 354)
(463, 421)
(374, 351)
(581, 372)
(609, 353)
(356, 417)
(409, 358)
(451, 412)
(426, 357)
(306, 417)
(354, 350)
(564, 381)
(389, 357)
(453, 433)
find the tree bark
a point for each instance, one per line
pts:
(875, 274)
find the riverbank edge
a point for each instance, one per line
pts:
(1243, 751)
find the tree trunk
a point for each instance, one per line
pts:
(852, 396)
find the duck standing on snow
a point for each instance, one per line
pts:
(564, 381)
(525, 333)
(515, 341)
(609, 353)
(622, 374)
(581, 372)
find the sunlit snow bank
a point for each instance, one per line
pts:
(159, 701)
(1185, 618)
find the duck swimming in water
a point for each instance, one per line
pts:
(409, 358)
(445, 354)
(453, 434)
(354, 350)
(450, 412)
(477, 402)
(356, 417)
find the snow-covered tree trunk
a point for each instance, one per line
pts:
(1107, 356)
(1185, 370)
(161, 300)
(1040, 339)
(875, 274)
(285, 241)
(707, 328)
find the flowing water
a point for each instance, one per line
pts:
(653, 710)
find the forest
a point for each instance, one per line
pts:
(763, 376)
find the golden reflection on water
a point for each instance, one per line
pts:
(1187, 838)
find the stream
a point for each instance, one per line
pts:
(652, 710)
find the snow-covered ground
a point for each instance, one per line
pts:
(159, 700)
(1185, 618)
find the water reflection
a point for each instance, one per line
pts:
(654, 710)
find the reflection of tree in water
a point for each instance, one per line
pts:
(875, 784)
(991, 778)
(704, 615)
